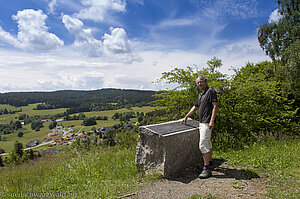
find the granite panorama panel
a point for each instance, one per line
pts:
(168, 148)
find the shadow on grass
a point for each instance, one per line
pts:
(219, 169)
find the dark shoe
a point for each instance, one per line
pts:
(206, 173)
(211, 166)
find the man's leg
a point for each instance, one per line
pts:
(206, 158)
(205, 148)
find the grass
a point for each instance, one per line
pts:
(100, 173)
(277, 159)
(8, 107)
(111, 172)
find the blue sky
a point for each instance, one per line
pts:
(51, 45)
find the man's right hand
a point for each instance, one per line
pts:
(184, 120)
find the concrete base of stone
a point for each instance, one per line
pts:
(167, 154)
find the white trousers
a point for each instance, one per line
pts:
(205, 134)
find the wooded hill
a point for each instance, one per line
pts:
(80, 101)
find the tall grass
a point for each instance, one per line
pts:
(276, 158)
(100, 173)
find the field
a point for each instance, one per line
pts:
(28, 110)
(9, 139)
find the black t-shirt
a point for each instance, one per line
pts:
(204, 102)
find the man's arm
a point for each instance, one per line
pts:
(213, 115)
(193, 109)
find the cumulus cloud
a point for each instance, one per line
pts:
(115, 45)
(8, 38)
(32, 32)
(274, 16)
(84, 39)
(99, 10)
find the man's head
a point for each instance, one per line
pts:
(201, 82)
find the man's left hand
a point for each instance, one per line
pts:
(211, 125)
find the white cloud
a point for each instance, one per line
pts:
(99, 10)
(178, 22)
(68, 70)
(137, 1)
(8, 38)
(51, 6)
(235, 8)
(118, 46)
(84, 39)
(65, 80)
(274, 16)
(115, 45)
(32, 32)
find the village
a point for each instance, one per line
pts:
(60, 136)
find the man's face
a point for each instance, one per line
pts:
(201, 83)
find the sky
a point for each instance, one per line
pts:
(49, 45)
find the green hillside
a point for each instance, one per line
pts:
(8, 140)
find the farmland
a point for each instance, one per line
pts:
(8, 140)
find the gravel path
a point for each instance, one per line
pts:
(226, 182)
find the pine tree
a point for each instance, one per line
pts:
(1, 162)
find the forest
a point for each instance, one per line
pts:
(80, 101)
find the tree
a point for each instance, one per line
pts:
(115, 116)
(18, 125)
(109, 137)
(30, 154)
(89, 121)
(17, 153)
(253, 105)
(81, 116)
(18, 149)
(281, 40)
(140, 118)
(1, 162)
(52, 125)
(179, 100)
(36, 125)
(5, 111)
(20, 134)
(276, 37)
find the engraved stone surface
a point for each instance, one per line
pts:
(168, 148)
(173, 127)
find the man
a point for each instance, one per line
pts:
(207, 105)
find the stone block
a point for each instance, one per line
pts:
(168, 148)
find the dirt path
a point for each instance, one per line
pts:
(227, 182)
